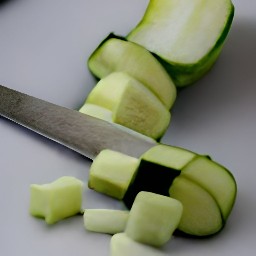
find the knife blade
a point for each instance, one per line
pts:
(82, 133)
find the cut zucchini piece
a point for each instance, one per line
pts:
(106, 115)
(122, 94)
(201, 214)
(157, 169)
(96, 111)
(111, 173)
(140, 110)
(109, 90)
(153, 218)
(215, 179)
(116, 54)
(186, 35)
(105, 220)
(122, 245)
(57, 200)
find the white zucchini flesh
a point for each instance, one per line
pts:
(115, 54)
(106, 115)
(201, 214)
(140, 110)
(57, 200)
(122, 245)
(215, 179)
(96, 111)
(121, 94)
(111, 173)
(185, 33)
(108, 91)
(105, 220)
(153, 218)
(169, 156)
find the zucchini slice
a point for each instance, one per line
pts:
(105, 220)
(215, 179)
(122, 94)
(201, 214)
(116, 54)
(186, 35)
(106, 115)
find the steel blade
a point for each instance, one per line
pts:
(85, 134)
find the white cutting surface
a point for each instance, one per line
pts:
(44, 46)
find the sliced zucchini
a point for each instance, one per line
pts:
(186, 35)
(106, 115)
(140, 110)
(122, 94)
(215, 179)
(201, 214)
(111, 173)
(157, 169)
(205, 188)
(153, 218)
(105, 220)
(122, 245)
(116, 54)
(57, 200)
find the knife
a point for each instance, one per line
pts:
(80, 132)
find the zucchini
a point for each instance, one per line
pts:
(186, 35)
(215, 179)
(105, 220)
(157, 169)
(206, 189)
(96, 111)
(57, 200)
(106, 115)
(201, 214)
(121, 244)
(121, 94)
(111, 173)
(116, 54)
(153, 218)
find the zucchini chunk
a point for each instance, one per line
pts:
(57, 200)
(122, 245)
(109, 90)
(132, 104)
(157, 169)
(201, 214)
(111, 173)
(186, 35)
(153, 218)
(106, 115)
(215, 179)
(140, 110)
(116, 54)
(105, 220)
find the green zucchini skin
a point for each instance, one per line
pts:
(186, 74)
(116, 54)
